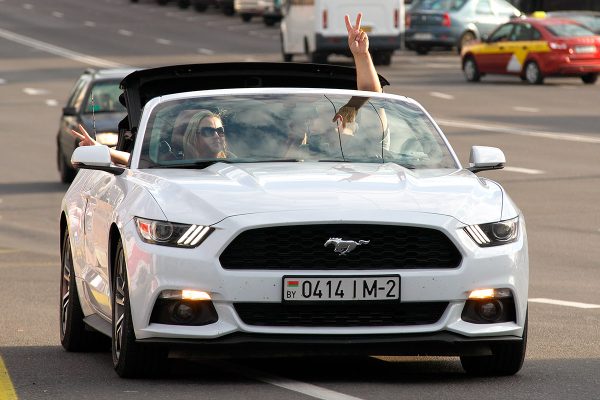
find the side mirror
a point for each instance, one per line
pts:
(95, 157)
(485, 158)
(69, 111)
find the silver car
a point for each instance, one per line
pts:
(453, 23)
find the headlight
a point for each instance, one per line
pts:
(171, 234)
(107, 138)
(495, 233)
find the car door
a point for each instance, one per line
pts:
(494, 57)
(523, 39)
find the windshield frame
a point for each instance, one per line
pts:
(153, 103)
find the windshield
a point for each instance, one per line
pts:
(104, 98)
(441, 5)
(193, 133)
(569, 30)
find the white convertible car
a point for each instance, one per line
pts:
(304, 236)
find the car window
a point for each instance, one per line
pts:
(506, 9)
(524, 32)
(441, 5)
(484, 7)
(501, 34)
(76, 92)
(258, 128)
(568, 30)
(105, 98)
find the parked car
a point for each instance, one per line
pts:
(271, 11)
(304, 238)
(226, 6)
(247, 9)
(534, 49)
(316, 28)
(591, 19)
(453, 23)
(99, 115)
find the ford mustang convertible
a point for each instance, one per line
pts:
(273, 210)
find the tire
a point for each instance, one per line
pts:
(66, 171)
(470, 70)
(382, 58)
(422, 50)
(465, 39)
(533, 74)
(507, 359)
(200, 7)
(130, 359)
(75, 336)
(269, 21)
(183, 4)
(246, 17)
(589, 79)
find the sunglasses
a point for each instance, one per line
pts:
(208, 131)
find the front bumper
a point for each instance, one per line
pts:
(153, 269)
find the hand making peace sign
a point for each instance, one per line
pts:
(83, 136)
(358, 41)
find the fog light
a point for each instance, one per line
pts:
(185, 294)
(490, 310)
(183, 313)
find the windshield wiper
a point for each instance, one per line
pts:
(207, 163)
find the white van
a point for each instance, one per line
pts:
(316, 27)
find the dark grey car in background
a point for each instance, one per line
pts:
(453, 23)
(100, 116)
(591, 19)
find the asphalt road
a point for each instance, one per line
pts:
(550, 135)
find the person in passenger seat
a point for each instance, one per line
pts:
(366, 79)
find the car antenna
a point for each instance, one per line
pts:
(93, 115)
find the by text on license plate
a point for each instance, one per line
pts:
(423, 36)
(585, 49)
(347, 288)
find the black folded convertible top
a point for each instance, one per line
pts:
(141, 86)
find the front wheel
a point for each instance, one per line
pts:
(589, 79)
(507, 359)
(74, 335)
(533, 74)
(130, 359)
(246, 17)
(471, 70)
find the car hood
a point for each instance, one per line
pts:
(209, 195)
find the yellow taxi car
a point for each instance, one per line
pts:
(533, 49)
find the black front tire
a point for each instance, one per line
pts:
(75, 336)
(589, 79)
(471, 70)
(533, 74)
(130, 359)
(507, 359)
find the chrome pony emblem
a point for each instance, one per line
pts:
(344, 246)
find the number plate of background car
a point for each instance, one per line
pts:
(585, 49)
(423, 36)
(325, 288)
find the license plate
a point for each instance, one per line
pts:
(328, 288)
(366, 28)
(423, 36)
(585, 49)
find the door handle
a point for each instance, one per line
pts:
(501, 47)
(524, 47)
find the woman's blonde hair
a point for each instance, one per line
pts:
(192, 147)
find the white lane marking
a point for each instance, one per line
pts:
(564, 303)
(57, 14)
(191, 19)
(518, 131)
(207, 52)
(51, 103)
(59, 51)
(34, 91)
(441, 66)
(526, 109)
(163, 41)
(28, 6)
(441, 95)
(2, 81)
(125, 32)
(524, 170)
(90, 24)
(289, 384)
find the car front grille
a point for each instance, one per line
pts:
(336, 315)
(302, 247)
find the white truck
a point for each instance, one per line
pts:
(316, 28)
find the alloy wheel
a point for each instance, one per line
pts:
(65, 287)
(119, 305)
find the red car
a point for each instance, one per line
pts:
(534, 49)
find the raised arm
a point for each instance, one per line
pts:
(116, 156)
(358, 41)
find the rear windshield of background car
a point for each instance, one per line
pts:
(568, 30)
(441, 5)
